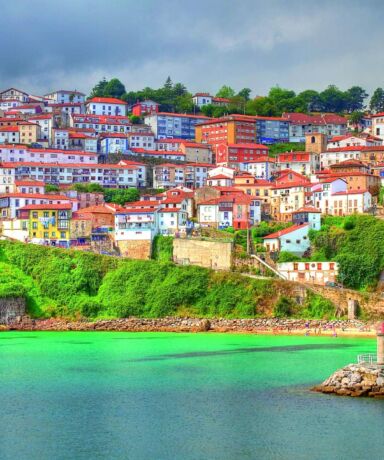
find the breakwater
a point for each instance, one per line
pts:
(183, 324)
(355, 380)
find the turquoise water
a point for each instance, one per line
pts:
(161, 396)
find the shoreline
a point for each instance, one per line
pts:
(259, 326)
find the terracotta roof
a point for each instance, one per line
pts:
(46, 206)
(307, 209)
(106, 100)
(169, 210)
(285, 231)
(219, 176)
(30, 182)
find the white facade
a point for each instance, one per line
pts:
(9, 135)
(9, 104)
(46, 123)
(16, 229)
(350, 141)
(18, 153)
(171, 220)
(11, 202)
(105, 106)
(335, 156)
(334, 198)
(106, 175)
(144, 141)
(65, 96)
(378, 125)
(201, 99)
(102, 123)
(294, 240)
(309, 272)
(261, 169)
(13, 93)
(136, 225)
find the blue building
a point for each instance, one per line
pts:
(270, 130)
(173, 125)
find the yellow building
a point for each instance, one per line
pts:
(47, 222)
(29, 132)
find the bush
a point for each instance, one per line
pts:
(284, 307)
(318, 307)
(286, 256)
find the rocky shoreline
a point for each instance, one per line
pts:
(180, 324)
(355, 380)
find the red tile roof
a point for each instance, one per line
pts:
(307, 209)
(46, 206)
(105, 100)
(285, 231)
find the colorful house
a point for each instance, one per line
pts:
(293, 239)
(47, 223)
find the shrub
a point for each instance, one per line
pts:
(284, 307)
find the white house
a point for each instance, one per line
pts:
(144, 141)
(349, 140)
(309, 272)
(113, 143)
(201, 99)
(339, 154)
(304, 163)
(172, 220)
(63, 96)
(378, 125)
(106, 106)
(9, 135)
(292, 239)
(262, 168)
(13, 93)
(136, 224)
(45, 121)
(333, 197)
(307, 215)
(220, 180)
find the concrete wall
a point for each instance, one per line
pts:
(209, 254)
(135, 249)
(10, 308)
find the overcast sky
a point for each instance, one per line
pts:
(299, 44)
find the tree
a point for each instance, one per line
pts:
(377, 100)
(226, 92)
(121, 195)
(307, 101)
(355, 118)
(355, 97)
(168, 84)
(114, 88)
(245, 93)
(179, 89)
(135, 120)
(332, 99)
(183, 103)
(98, 89)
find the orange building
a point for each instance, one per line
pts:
(232, 129)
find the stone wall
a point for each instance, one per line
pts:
(370, 303)
(135, 249)
(208, 254)
(11, 308)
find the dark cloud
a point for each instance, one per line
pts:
(49, 44)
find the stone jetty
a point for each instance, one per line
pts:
(355, 380)
(363, 379)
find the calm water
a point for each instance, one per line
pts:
(180, 396)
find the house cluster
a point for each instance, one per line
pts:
(213, 172)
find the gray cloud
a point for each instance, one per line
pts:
(299, 44)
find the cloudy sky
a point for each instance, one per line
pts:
(298, 44)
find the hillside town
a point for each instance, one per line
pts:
(60, 153)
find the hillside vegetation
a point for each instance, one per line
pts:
(356, 243)
(59, 282)
(74, 284)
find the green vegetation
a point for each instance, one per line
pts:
(52, 188)
(277, 148)
(285, 256)
(355, 242)
(176, 98)
(318, 307)
(162, 248)
(111, 195)
(284, 307)
(73, 283)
